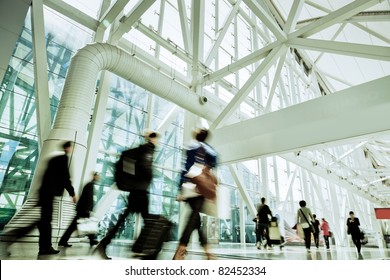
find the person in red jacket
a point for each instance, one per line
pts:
(325, 231)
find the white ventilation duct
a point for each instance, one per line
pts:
(73, 115)
(74, 110)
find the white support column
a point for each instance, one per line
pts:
(242, 222)
(263, 176)
(275, 169)
(40, 72)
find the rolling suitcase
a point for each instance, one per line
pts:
(155, 231)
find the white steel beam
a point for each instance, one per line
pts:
(276, 80)
(335, 17)
(113, 12)
(350, 113)
(239, 64)
(222, 33)
(358, 25)
(197, 21)
(184, 26)
(349, 49)
(248, 86)
(134, 15)
(295, 10)
(269, 21)
(243, 191)
(72, 13)
(156, 63)
(322, 172)
(40, 72)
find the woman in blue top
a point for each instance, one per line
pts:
(198, 151)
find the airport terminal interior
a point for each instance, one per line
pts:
(295, 94)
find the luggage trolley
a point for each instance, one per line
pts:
(274, 233)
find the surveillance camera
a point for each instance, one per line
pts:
(203, 99)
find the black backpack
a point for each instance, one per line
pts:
(126, 170)
(133, 171)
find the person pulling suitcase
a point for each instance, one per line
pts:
(133, 173)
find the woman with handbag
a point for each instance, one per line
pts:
(198, 152)
(353, 224)
(304, 220)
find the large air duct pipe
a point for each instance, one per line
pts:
(74, 110)
(73, 115)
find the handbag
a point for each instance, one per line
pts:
(206, 183)
(87, 226)
(362, 235)
(204, 179)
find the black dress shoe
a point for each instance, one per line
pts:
(64, 244)
(50, 251)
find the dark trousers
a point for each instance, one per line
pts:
(193, 222)
(307, 234)
(258, 235)
(72, 227)
(326, 238)
(356, 240)
(138, 202)
(316, 236)
(264, 232)
(44, 225)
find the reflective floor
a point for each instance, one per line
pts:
(224, 251)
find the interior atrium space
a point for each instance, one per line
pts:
(295, 94)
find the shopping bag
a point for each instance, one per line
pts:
(189, 190)
(86, 226)
(300, 232)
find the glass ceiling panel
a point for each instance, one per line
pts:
(89, 7)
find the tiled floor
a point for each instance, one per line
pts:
(224, 251)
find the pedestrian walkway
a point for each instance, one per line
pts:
(224, 251)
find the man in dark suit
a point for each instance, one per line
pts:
(264, 214)
(55, 179)
(83, 209)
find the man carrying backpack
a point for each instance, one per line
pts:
(134, 173)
